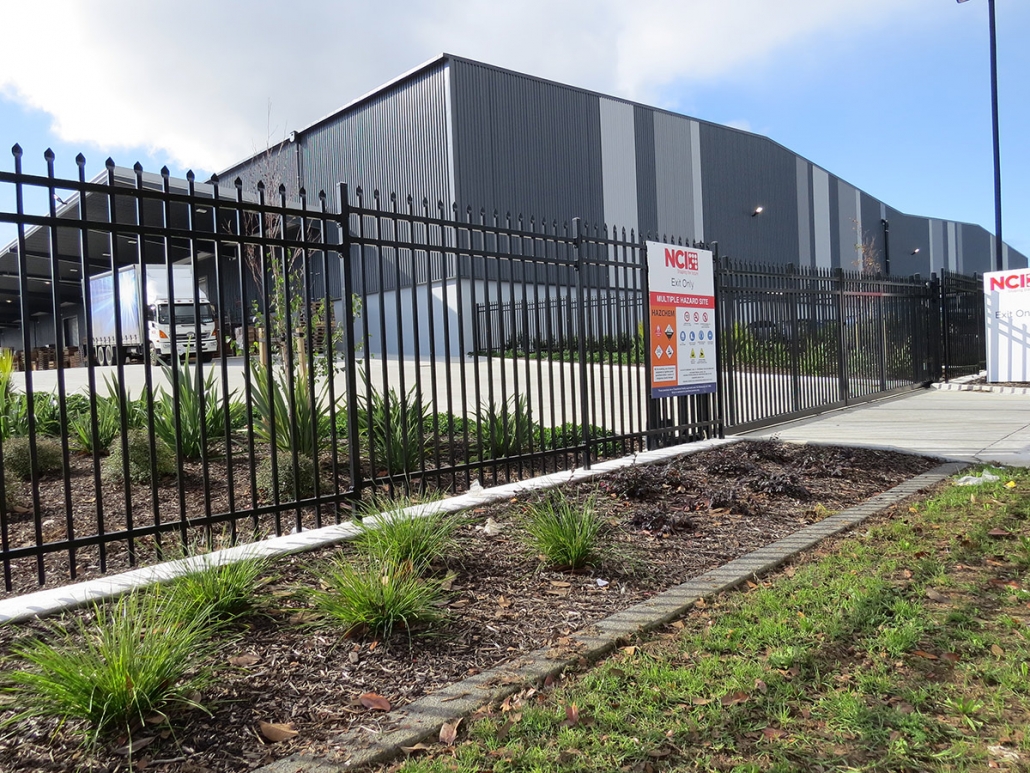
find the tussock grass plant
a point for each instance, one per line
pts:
(221, 592)
(137, 656)
(374, 598)
(569, 535)
(387, 535)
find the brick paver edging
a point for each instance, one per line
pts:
(423, 718)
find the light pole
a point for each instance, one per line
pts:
(997, 145)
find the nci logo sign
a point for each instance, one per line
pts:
(682, 259)
(1019, 281)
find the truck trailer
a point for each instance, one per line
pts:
(145, 316)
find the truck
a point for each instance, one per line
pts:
(143, 304)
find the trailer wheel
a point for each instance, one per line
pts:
(99, 356)
(111, 355)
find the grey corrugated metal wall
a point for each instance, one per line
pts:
(488, 138)
(396, 142)
(739, 173)
(525, 146)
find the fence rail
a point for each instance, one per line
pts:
(389, 344)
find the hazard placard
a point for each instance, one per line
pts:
(682, 312)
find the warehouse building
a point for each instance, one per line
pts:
(456, 130)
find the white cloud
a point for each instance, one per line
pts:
(198, 80)
(742, 123)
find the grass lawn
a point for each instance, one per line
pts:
(903, 647)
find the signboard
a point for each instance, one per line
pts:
(681, 305)
(1007, 312)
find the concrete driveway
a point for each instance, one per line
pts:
(971, 426)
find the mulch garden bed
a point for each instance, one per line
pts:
(669, 523)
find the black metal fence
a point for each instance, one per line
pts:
(387, 344)
(962, 325)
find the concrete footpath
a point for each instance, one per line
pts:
(954, 424)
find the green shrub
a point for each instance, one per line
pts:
(136, 657)
(374, 598)
(422, 540)
(136, 411)
(137, 442)
(17, 461)
(394, 430)
(570, 435)
(288, 487)
(201, 411)
(299, 424)
(569, 536)
(237, 414)
(504, 430)
(108, 427)
(221, 592)
(12, 495)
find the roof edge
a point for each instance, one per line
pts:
(366, 97)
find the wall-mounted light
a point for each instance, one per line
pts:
(757, 212)
(915, 251)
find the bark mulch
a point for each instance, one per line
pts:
(668, 523)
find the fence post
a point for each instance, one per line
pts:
(720, 409)
(795, 335)
(842, 362)
(942, 341)
(882, 330)
(584, 391)
(350, 359)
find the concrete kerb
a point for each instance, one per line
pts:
(67, 597)
(423, 719)
(978, 383)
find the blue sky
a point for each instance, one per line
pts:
(891, 95)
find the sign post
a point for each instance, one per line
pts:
(681, 312)
(1007, 317)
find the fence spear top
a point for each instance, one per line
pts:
(48, 154)
(80, 160)
(109, 163)
(190, 177)
(16, 150)
(137, 168)
(213, 179)
(238, 182)
(282, 189)
(164, 172)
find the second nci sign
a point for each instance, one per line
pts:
(1007, 313)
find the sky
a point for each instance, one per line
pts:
(891, 95)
